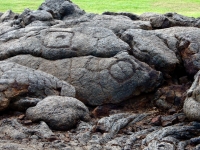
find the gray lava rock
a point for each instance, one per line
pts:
(176, 131)
(110, 58)
(60, 113)
(61, 8)
(172, 137)
(189, 45)
(169, 20)
(9, 145)
(169, 97)
(58, 43)
(148, 15)
(24, 103)
(116, 23)
(8, 15)
(155, 145)
(16, 131)
(87, 17)
(180, 20)
(114, 123)
(192, 102)
(29, 16)
(17, 80)
(42, 23)
(15, 136)
(160, 22)
(6, 27)
(167, 48)
(100, 80)
(12, 129)
(157, 21)
(151, 49)
(130, 15)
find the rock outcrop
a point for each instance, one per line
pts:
(167, 20)
(61, 9)
(17, 81)
(151, 49)
(76, 80)
(165, 49)
(58, 43)
(100, 80)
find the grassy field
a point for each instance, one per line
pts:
(185, 7)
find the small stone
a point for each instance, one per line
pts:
(67, 139)
(103, 110)
(172, 111)
(170, 96)
(168, 120)
(34, 137)
(156, 121)
(73, 143)
(181, 117)
(67, 112)
(24, 103)
(100, 111)
(162, 104)
(52, 138)
(68, 148)
(67, 135)
(27, 122)
(21, 117)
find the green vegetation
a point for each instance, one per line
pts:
(19, 5)
(185, 7)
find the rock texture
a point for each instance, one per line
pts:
(191, 105)
(61, 9)
(116, 23)
(60, 113)
(165, 49)
(58, 43)
(169, 20)
(151, 49)
(17, 80)
(109, 80)
(72, 80)
(23, 103)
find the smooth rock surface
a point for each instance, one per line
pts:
(60, 113)
(110, 80)
(59, 43)
(116, 23)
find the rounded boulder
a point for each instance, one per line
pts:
(60, 113)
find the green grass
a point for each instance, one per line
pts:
(184, 7)
(19, 5)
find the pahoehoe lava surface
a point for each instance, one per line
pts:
(76, 80)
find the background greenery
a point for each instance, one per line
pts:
(185, 7)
